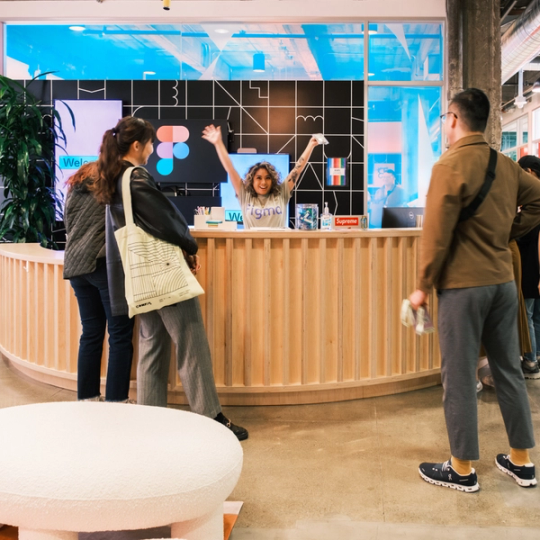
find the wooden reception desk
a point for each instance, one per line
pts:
(291, 316)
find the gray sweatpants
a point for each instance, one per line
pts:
(184, 324)
(466, 318)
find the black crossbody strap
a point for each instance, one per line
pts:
(471, 209)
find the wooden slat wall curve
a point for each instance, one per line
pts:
(291, 317)
(312, 317)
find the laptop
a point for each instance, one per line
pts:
(394, 218)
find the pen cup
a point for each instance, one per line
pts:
(199, 221)
(217, 213)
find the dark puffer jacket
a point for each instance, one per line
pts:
(155, 214)
(85, 226)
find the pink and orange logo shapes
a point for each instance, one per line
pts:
(173, 145)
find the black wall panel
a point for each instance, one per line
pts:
(271, 116)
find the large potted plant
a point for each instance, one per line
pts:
(28, 137)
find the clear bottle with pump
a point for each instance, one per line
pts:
(326, 219)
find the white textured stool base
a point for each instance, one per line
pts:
(208, 527)
(40, 534)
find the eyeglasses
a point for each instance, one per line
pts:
(443, 116)
(382, 171)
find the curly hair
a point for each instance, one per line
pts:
(271, 170)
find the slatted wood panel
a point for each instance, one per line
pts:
(307, 317)
(291, 316)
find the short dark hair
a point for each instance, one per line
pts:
(473, 108)
(532, 163)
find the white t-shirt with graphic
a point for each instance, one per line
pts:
(269, 211)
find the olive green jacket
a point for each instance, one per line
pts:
(474, 253)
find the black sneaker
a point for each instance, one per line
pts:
(240, 432)
(530, 369)
(442, 474)
(522, 474)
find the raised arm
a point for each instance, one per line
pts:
(301, 163)
(213, 136)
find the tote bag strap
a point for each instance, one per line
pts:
(126, 194)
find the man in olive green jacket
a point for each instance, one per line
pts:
(470, 265)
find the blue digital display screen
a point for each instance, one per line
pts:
(242, 163)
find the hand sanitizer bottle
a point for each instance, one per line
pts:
(326, 219)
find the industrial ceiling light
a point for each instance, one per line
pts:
(536, 86)
(221, 30)
(258, 63)
(166, 5)
(77, 28)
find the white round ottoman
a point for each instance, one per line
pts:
(84, 467)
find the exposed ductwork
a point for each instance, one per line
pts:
(521, 42)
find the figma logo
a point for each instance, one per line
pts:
(173, 145)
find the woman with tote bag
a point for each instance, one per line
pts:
(129, 144)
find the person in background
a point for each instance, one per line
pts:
(85, 267)
(263, 198)
(530, 267)
(130, 143)
(485, 377)
(390, 194)
(470, 265)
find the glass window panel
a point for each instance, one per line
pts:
(187, 52)
(512, 154)
(523, 151)
(524, 129)
(404, 141)
(405, 52)
(536, 124)
(509, 136)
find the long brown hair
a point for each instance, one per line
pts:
(87, 172)
(116, 144)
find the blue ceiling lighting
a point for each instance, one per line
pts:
(397, 51)
(258, 63)
(186, 52)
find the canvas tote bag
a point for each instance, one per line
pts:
(157, 275)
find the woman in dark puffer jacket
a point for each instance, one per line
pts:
(86, 269)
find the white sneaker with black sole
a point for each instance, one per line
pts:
(444, 475)
(524, 475)
(530, 369)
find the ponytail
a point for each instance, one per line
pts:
(115, 145)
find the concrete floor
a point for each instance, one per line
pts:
(349, 470)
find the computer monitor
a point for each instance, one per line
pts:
(242, 163)
(395, 218)
(83, 140)
(188, 205)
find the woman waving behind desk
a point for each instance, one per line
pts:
(263, 198)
